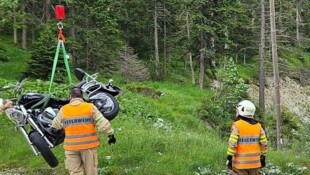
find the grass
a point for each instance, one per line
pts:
(181, 145)
(16, 56)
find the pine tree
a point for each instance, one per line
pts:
(41, 62)
(132, 68)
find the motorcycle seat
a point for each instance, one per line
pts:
(60, 101)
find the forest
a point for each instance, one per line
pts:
(167, 36)
(183, 66)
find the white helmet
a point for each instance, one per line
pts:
(246, 108)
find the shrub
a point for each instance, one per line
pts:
(37, 86)
(219, 112)
(290, 128)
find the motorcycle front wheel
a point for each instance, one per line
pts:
(106, 104)
(43, 148)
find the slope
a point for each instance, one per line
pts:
(156, 134)
(12, 59)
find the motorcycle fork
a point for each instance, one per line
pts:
(24, 132)
(35, 126)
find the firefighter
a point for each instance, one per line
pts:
(79, 121)
(247, 142)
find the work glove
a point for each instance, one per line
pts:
(263, 161)
(229, 162)
(51, 130)
(112, 139)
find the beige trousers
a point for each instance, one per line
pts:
(83, 161)
(254, 171)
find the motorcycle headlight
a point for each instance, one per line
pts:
(16, 115)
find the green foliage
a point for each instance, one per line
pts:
(132, 68)
(143, 89)
(37, 86)
(160, 75)
(290, 168)
(96, 35)
(41, 63)
(219, 111)
(291, 127)
(248, 72)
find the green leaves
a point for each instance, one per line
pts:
(36, 86)
(219, 112)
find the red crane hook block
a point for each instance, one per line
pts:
(60, 12)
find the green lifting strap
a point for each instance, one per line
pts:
(60, 43)
(44, 101)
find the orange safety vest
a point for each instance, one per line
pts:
(79, 127)
(248, 151)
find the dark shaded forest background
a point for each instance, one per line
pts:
(158, 38)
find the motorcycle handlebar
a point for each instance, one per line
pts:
(21, 78)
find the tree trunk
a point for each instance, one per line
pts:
(276, 73)
(24, 36)
(165, 42)
(244, 56)
(262, 58)
(47, 10)
(24, 33)
(281, 13)
(253, 17)
(156, 39)
(33, 34)
(202, 61)
(190, 52)
(297, 22)
(14, 26)
(87, 46)
(72, 33)
(226, 46)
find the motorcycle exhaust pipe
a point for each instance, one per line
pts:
(22, 129)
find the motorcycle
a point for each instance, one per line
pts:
(39, 110)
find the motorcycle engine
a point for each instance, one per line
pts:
(47, 116)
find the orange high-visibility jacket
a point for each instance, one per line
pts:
(79, 127)
(248, 153)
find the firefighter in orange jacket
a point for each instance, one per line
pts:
(79, 121)
(247, 142)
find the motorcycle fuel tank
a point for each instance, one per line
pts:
(30, 99)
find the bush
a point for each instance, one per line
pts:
(219, 112)
(291, 126)
(37, 86)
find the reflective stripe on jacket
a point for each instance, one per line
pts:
(248, 152)
(80, 130)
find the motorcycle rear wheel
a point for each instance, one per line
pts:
(106, 104)
(43, 148)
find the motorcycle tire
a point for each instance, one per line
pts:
(112, 113)
(43, 148)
